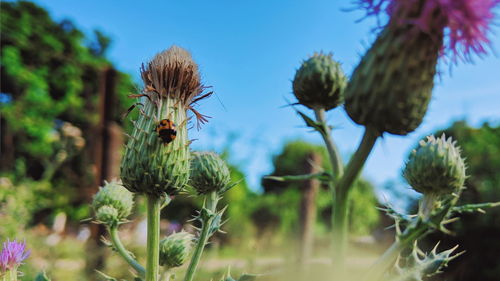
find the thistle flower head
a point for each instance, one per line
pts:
(435, 166)
(113, 202)
(173, 74)
(156, 159)
(466, 22)
(12, 255)
(320, 82)
(175, 249)
(209, 172)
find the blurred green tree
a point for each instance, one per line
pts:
(50, 75)
(477, 234)
(281, 199)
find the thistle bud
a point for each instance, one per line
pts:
(175, 249)
(391, 87)
(209, 173)
(107, 215)
(113, 202)
(156, 158)
(435, 167)
(320, 82)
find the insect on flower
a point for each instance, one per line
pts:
(166, 131)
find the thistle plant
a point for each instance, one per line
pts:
(156, 160)
(389, 92)
(210, 178)
(150, 165)
(158, 164)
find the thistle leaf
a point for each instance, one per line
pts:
(106, 277)
(472, 208)
(322, 176)
(248, 277)
(419, 265)
(312, 124)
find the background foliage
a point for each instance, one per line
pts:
(50, 74)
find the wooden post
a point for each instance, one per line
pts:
(307, 209)
(109, 139)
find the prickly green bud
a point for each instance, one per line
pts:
(435, 166)
(320, 82)
(156, 159)
(113, 196)
(175, 249)
(209, 172)
(107, 215)
(391, 87)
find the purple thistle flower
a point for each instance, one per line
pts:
(12, 255)
(466, 22)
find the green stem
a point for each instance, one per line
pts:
(117, 243)
(426, 205)
(153, 237)
(341, 193)
(211, 205)
(333, 151)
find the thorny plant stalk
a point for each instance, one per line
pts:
(418, 228)
(211, 205)
(124, 253)
(387, 260)
(342, 187)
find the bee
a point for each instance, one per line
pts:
(166, 131)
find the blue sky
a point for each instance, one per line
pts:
(249, 51)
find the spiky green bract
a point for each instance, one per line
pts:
(320, 82)
(209, 173)
(391, 87)
(435, 166)
(113, 202)
(175, 249)
(172, 85)
(419, 266)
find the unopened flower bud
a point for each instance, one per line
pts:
(175, 249)
(107, 215)
(115, 196)
(320, 82)
(209, 172)
(435, 167)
